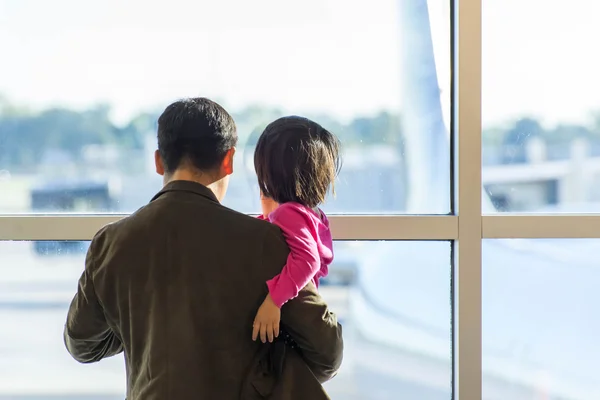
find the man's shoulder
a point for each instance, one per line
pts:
(119, 225)
(264, 233)
(123, 230)
(249, 223)
(135, 223)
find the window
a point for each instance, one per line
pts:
(88, 119)
(392, 346)
(466, 135)
(539, 324)
(540, 109)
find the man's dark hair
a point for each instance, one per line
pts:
(195, 130)
(297, 160)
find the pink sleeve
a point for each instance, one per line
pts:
(303, 262)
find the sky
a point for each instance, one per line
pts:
(335, 56)
(138, 54)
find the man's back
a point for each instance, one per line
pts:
(179, 283)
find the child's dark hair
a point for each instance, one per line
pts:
(297, 160)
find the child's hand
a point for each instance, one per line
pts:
(268, 205)
(266, 321)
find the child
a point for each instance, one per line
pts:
(296, 162)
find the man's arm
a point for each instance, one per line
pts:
(307, 318)
(87, 336)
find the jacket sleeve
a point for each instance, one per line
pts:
(303, 261)
(307, 318)
(87, 335)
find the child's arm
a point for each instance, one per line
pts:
(307, 319)
(303, 262)
(302, 265)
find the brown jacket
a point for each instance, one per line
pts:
(176, 285)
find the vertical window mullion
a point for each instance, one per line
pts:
(467, 191)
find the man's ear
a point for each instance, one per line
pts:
(227, 163)
(158, 161)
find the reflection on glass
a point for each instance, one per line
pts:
(79, 136)
(393, 299)
(540, 108)
(540, 324)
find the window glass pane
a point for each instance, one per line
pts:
(80, 96)
(396, 318)
(541, 110)
(540, 325)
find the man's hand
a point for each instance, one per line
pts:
(267, 321)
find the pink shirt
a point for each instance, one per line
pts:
(311, 250)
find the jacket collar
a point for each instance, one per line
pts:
(187, 186)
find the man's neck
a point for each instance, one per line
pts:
(193, 176)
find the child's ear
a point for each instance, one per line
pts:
(227, 164)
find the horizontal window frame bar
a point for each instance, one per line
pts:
(541, 226)
(33, 227)
(344, 227)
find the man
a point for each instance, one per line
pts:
(176, 285)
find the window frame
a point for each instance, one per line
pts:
(466, 228)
